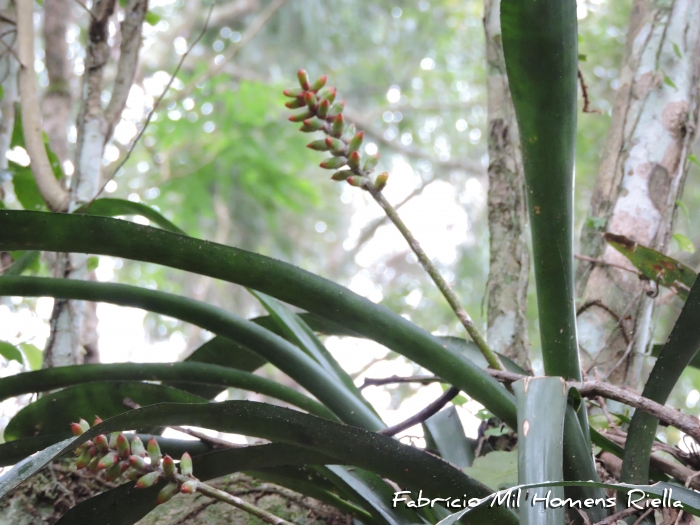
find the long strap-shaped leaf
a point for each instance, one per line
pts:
(71, 233)
(278, 351)
(540, 49)
(383, 455)
(682, 345)
(541, 405)
(188, 372)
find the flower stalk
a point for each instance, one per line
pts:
(344, 144)
(118, 458)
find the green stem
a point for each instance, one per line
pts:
(237, 502)
(437, 278)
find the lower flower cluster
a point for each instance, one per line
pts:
(144, 465)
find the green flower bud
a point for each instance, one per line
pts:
(113, 472)
(323, 108)
(310, 99)
(167, 493)
(303, 77)
(328, 94)
(148, 480)
(318, 145)
(341, 175)
(169, 466)
(354, 160)
(357, 181)
(336, 146)
(137, 462)
(338, 126)
(336, 109)
(314, 124)
(132, 474)
(113, 440)
(84, 459)
(334, 163)
(319, 83)
(371, 162)
(301, 117)
(154, 452)
(349, 132)
(101, 443)
(108, 460)
(189, 487)
(381, 181)
(294, 93)
(186, 464)
(137, 448)
(123, 446)
(296, 103)
(356, 142)
(92, 466)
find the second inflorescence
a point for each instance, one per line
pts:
(145, 465)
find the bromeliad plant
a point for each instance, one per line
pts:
(333, 424)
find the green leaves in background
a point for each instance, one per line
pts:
(654, 265)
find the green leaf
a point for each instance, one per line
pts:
(497, 470)
(152, 18)
(581, 58)
(26, 190)
(53, 413)
(684, 243)
(692, 158)
(383, 455)
(541, 53)
(24, 260)
(187, 373)
(10, 352)
(277, 350)
(682, 207)
(681, 347)
(654, 265)
(446, 432)
(117, 207)
(541, 403)
(596, 223)
(677, 50)
(92, 263)
(103, 236)
(33, 355)
(296, 331)
(2, 92)
(669, 82)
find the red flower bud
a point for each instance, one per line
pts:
(148, 480)
(296, 103)
(189, 487)
(318, 145)
(107, 461)
(303, 77)
(334, 163)
(169, 466)
(123, 446)
(294, 93)
(338, 126)
(154, 452)
(341, 175)
(354, 160)
(301, 117)
(357, 181)
(319, 83)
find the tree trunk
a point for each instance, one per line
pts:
(8, 74)
(509, 264)
(640, 179)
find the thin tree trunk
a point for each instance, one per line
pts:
(640, 179)
(56, 106)
(8, 80)
(72, 339)
(509, 265)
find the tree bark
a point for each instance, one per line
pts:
(640, 179)
(73, 337)
(8, 80)
(56, 105)
(509, 264)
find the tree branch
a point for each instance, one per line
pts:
(432, 409)
(131, 30)
(424, 380)
(231, 52)
(57, 198)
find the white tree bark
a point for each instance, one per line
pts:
(8, 76)
(640, 178)
(69, 340)
(509, 265)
